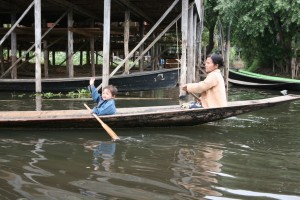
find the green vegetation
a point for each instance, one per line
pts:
(80, 93)
(266, 31)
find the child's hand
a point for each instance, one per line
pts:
(184, 87)
(92, 81)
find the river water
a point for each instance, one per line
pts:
(251, 156)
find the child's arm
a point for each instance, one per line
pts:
(94, 92)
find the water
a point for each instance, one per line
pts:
(251, 156)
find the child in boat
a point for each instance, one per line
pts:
(105, 102)
(212, 89)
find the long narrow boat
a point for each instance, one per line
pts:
(148, 80)
(257, 79)
(154, 116)
(269, 86)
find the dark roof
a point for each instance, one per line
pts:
(149, 11)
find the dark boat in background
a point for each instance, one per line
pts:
(152, 116)
(249, 79)
(268, 86)
(139, 81)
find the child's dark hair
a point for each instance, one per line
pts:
(112, 89)
(217, 59)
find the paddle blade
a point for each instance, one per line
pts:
(112, 134)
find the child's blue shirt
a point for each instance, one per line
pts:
(104, 107)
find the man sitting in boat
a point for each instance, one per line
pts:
(105, 102)
(212, 89)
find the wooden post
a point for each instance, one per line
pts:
(70, 45)
(184, 31)
(97, 57)
(87, 57)
(46, 60)
(13, 47)
(190, 53)
(126, 39)
(81, 57)
(141, 49)
(106, 42)
(153, 55)
(199, 6)
(194, 46)
(38, 33)
(2, 59)
(227, 54)
(92, 47)
(53, 57)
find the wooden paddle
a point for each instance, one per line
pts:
(196, 97)
(112, 134)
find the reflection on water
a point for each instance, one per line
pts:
(103, 154)
(196, 170)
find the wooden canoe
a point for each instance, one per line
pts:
(249, 79)
(139, 81)
(268, 86)
(154, 116)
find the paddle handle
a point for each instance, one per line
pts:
(112, 134)
(196, 97)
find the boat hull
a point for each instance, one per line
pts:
(154, 116)
(148, 80)
(246, 80)
(268, 86)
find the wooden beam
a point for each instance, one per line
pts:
(136, 11)
(83, 31)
